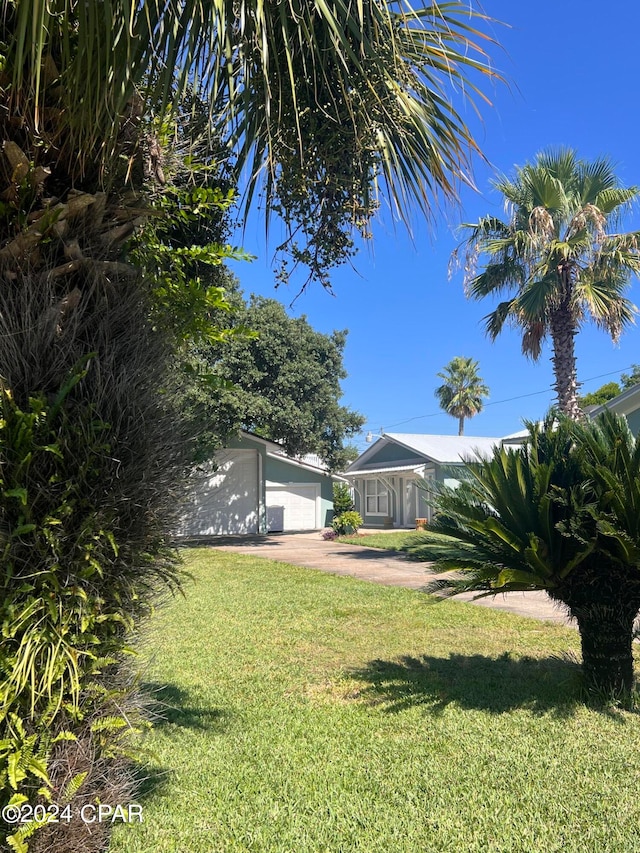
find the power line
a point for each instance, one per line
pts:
(508, 399)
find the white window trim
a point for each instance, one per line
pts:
(385, 491)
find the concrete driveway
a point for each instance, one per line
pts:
(311, 551)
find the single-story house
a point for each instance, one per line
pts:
(389, 477)
(253, 486)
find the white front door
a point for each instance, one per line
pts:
(410, 504)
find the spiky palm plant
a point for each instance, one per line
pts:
(323, 100)
(561, 514)
(558, 257)
(462, 392)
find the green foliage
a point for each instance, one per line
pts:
(342, 498)
(318, 106)
(600, 395)
(560, 258)
(559, 514)
(610, 390)
(630, 379)
(347, 522)
(286, 384)
(86, 514)
(188, 292)
(461, 394)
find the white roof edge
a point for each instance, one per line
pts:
(617, 402)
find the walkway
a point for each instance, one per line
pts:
(311, 551)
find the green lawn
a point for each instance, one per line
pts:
(310, 713)
(396, 541)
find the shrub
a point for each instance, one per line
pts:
(342, 499)
(92, 459)
(347, 522)
(559, 514)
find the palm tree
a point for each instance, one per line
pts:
(321, 102)
(558, 257)
(463, 389)
(558, 514)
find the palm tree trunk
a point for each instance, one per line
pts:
(461, 425)
(563, 331)
(606, 634)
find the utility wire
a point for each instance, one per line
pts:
(507, 399)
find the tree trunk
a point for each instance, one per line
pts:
(606, 634)
(563, 331)
(461, 425)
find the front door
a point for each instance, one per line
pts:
(410, 504)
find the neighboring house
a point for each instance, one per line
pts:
(390, 477)
(627, 404)
(254, 487)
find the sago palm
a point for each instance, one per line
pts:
(461, 394)
(558, 258)
(561, 514)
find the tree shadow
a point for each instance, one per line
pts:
(477, 682)
(165, 705)
(168, 704)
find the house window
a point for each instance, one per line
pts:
(376, 498)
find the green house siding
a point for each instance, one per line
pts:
(633, 419)
(392, 452)
(280, 471)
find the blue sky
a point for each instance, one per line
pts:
(573, 68)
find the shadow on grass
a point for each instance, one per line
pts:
(497, 685)
(170, 705)
(167, 704)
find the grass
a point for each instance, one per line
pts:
(399, 540)
(308, 713)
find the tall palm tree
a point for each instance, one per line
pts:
(558, 257)
(462, 391)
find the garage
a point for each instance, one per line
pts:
(226, 500)
(292, 506)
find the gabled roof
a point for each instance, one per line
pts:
(309, 462)
(446, 448)
(442, 449)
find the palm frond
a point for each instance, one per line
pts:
(379, 75)
(495, 321)
(610, 199)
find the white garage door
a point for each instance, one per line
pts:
(225, 501)
(298, 502)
